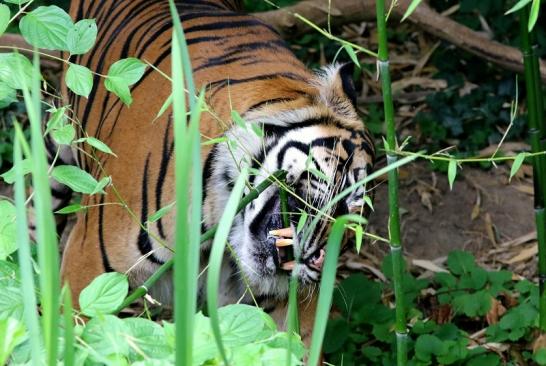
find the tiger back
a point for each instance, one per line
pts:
(244, 66)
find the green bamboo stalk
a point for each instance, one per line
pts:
(207, 235)
(537, 134)
(394, 215)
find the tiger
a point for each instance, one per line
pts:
(308, 118)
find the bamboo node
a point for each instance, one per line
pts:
(395, 248)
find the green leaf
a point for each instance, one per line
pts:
(82, 36)
(165, 106)
(129, 70)
(18, 2)
(411, 8)
(161, 212)
(352, 54)
(240, 324)
(71, 209)
(104, 295)
(149, 339)
(57, 119)
(368, 201)
(428, 345)
(7, 95)
(8, 229)
(358, 237)
(516, 164)
(118, 86)
(9, 176)
(520, 4)
(11, 303)
(460, 262)
(451, 172)
(106, 335)
(79, 79)
(64, 135)
(97, 144)
(77, 179)
(539, 356)
(5, 15)
(99, 188)
(46, 27)
(301, 222)
(533, 15)
(257, 129)
(239, 121)
(12, 333)
(9, 70)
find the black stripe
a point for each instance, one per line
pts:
(143, 240)
(229, 25)
(104, 255)
(256, 224)
(165, 158)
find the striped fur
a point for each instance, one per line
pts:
(244, 66)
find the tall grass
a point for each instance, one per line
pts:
(48, 251)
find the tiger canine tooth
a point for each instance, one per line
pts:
(286, 232)
(284, 242)
(288, 266)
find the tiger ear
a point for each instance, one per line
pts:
(346, 72)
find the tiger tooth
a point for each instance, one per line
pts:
(286, 232)
(288, 266)
(284, 242)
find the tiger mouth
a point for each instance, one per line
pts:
(283, 251)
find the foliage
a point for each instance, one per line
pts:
(444, 310)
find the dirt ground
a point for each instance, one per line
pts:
(484, 214)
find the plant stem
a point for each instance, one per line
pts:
(394, 215)
(207, 235)
(537, 133)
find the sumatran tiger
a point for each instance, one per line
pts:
(309, 120)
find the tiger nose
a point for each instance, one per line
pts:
(317, 261)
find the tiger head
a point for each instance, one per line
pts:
(324, 147)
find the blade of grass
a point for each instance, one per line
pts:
(68, 358)
(48, 256)
(216, 255)
(327, 283)
(23, 252)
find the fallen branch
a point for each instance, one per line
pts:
(424, 17)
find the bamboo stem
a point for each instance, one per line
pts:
(537, 133)
(394, 215)
(143, 289)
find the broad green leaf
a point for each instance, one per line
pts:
(82, 36)
(358, 237)
(97, 144)
(4, 18)
(77, 179)
(9, 66)
(7, 95)
(101, 185)
(148, 338)
(46, 27)
(352, 54)
(79, 79)
(18, 2)
(540, 356)
(64, 135)
(239, 121)
(71, 209)
(428, 345)
(460, 262)
(57, 119)
(533, 15)
(161, 212)
(119, 87)
(240, 324)
(12, 332)
(104, 295)
(519, 5)
(8, 229)
(106, 335)
(9, 176)
(451, 172)
(516, 164)
(11, 303)
(411, 8)
(128, 70)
